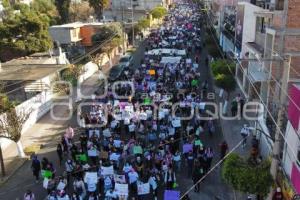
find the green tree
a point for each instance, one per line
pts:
(46, 7)
(222, 66)
(226, 82)
(144, 23)
(62, 7)
(24, 33)
(159, 12)
(246, 177)
(99, 6)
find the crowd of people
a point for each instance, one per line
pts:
(134, 142)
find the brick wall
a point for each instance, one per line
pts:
(293, 14)
(295, 67)
(292, 43)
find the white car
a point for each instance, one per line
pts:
(125, 60)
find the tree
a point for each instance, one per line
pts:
(222, 71)
(80, 11)
(159, 12)
(246, 177)
(62, 7)
(98, 6)
(46, 7)
(11, 125)
(24, 33)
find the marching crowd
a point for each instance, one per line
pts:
(134, 142)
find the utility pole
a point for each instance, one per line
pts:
(132, 24)
(285, 65)
(123, 32)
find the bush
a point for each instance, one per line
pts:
(247, 178)
(222, 66)
(159, 12)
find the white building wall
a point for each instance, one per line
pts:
(290, 150)
(249, 25)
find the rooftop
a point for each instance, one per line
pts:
(70, 25)
(29, 72)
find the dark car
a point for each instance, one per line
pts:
(115, 72)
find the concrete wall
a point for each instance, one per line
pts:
(249, 24)
(64, 35)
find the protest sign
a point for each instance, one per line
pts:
(91, 177)
(143, 116)
(194, 82)
(198, 143)
(147, 101)
(151, 72)
(92, 152)
(187, 148)
(119, 178)
(45, 183)
(107, 170)
(81, 157)
(114, 124)
(61, 186)
(106, 133)
(117, 143)
(114, 157)
(94, 132)
(131, 128)
(46, 174)
(176, 123)
(137, 150)
(161, 115)
(121, 189)
(171, 195)
(171, 131)
(143, 189)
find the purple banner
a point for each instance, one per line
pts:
(171, 195)
(293, 111)
(187, 148)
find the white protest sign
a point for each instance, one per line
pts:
(117, 143)
(126, 121)
(107, 170)
(94, 132)
(221, 93)
(91, 177)
(106, 133)
(143, 188)
(143, 116)
(61, 186)
(131, 127)
(202, 106)
(121, 189)
(119, 178)
(92, 152)
(176, 123)
(45, 183)
(114, 157)
(161, 115)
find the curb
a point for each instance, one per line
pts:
(6, 178)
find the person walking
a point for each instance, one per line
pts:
(170, 179)
(59, 151)
(29, 195)
(245, 133)
(36, 168)
(223, 149)
(198, 173)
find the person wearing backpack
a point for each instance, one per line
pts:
(29, 195)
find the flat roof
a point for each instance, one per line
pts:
(29, 72)
(70, 25)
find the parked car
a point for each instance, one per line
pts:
(115, 72)
(125, 60)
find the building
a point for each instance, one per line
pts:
(66, 34)
(291, 151)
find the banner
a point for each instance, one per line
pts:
(119, 178)
(137, 150)
(91, 177)
(187, 148)
(121, 189)
(171, 195)
(107, 170)
(143, 189)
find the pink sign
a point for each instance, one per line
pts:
(295, 177)
(294, 104)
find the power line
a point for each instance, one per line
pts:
(271, 116)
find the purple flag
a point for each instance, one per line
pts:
(171, 195)
(187, 148)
